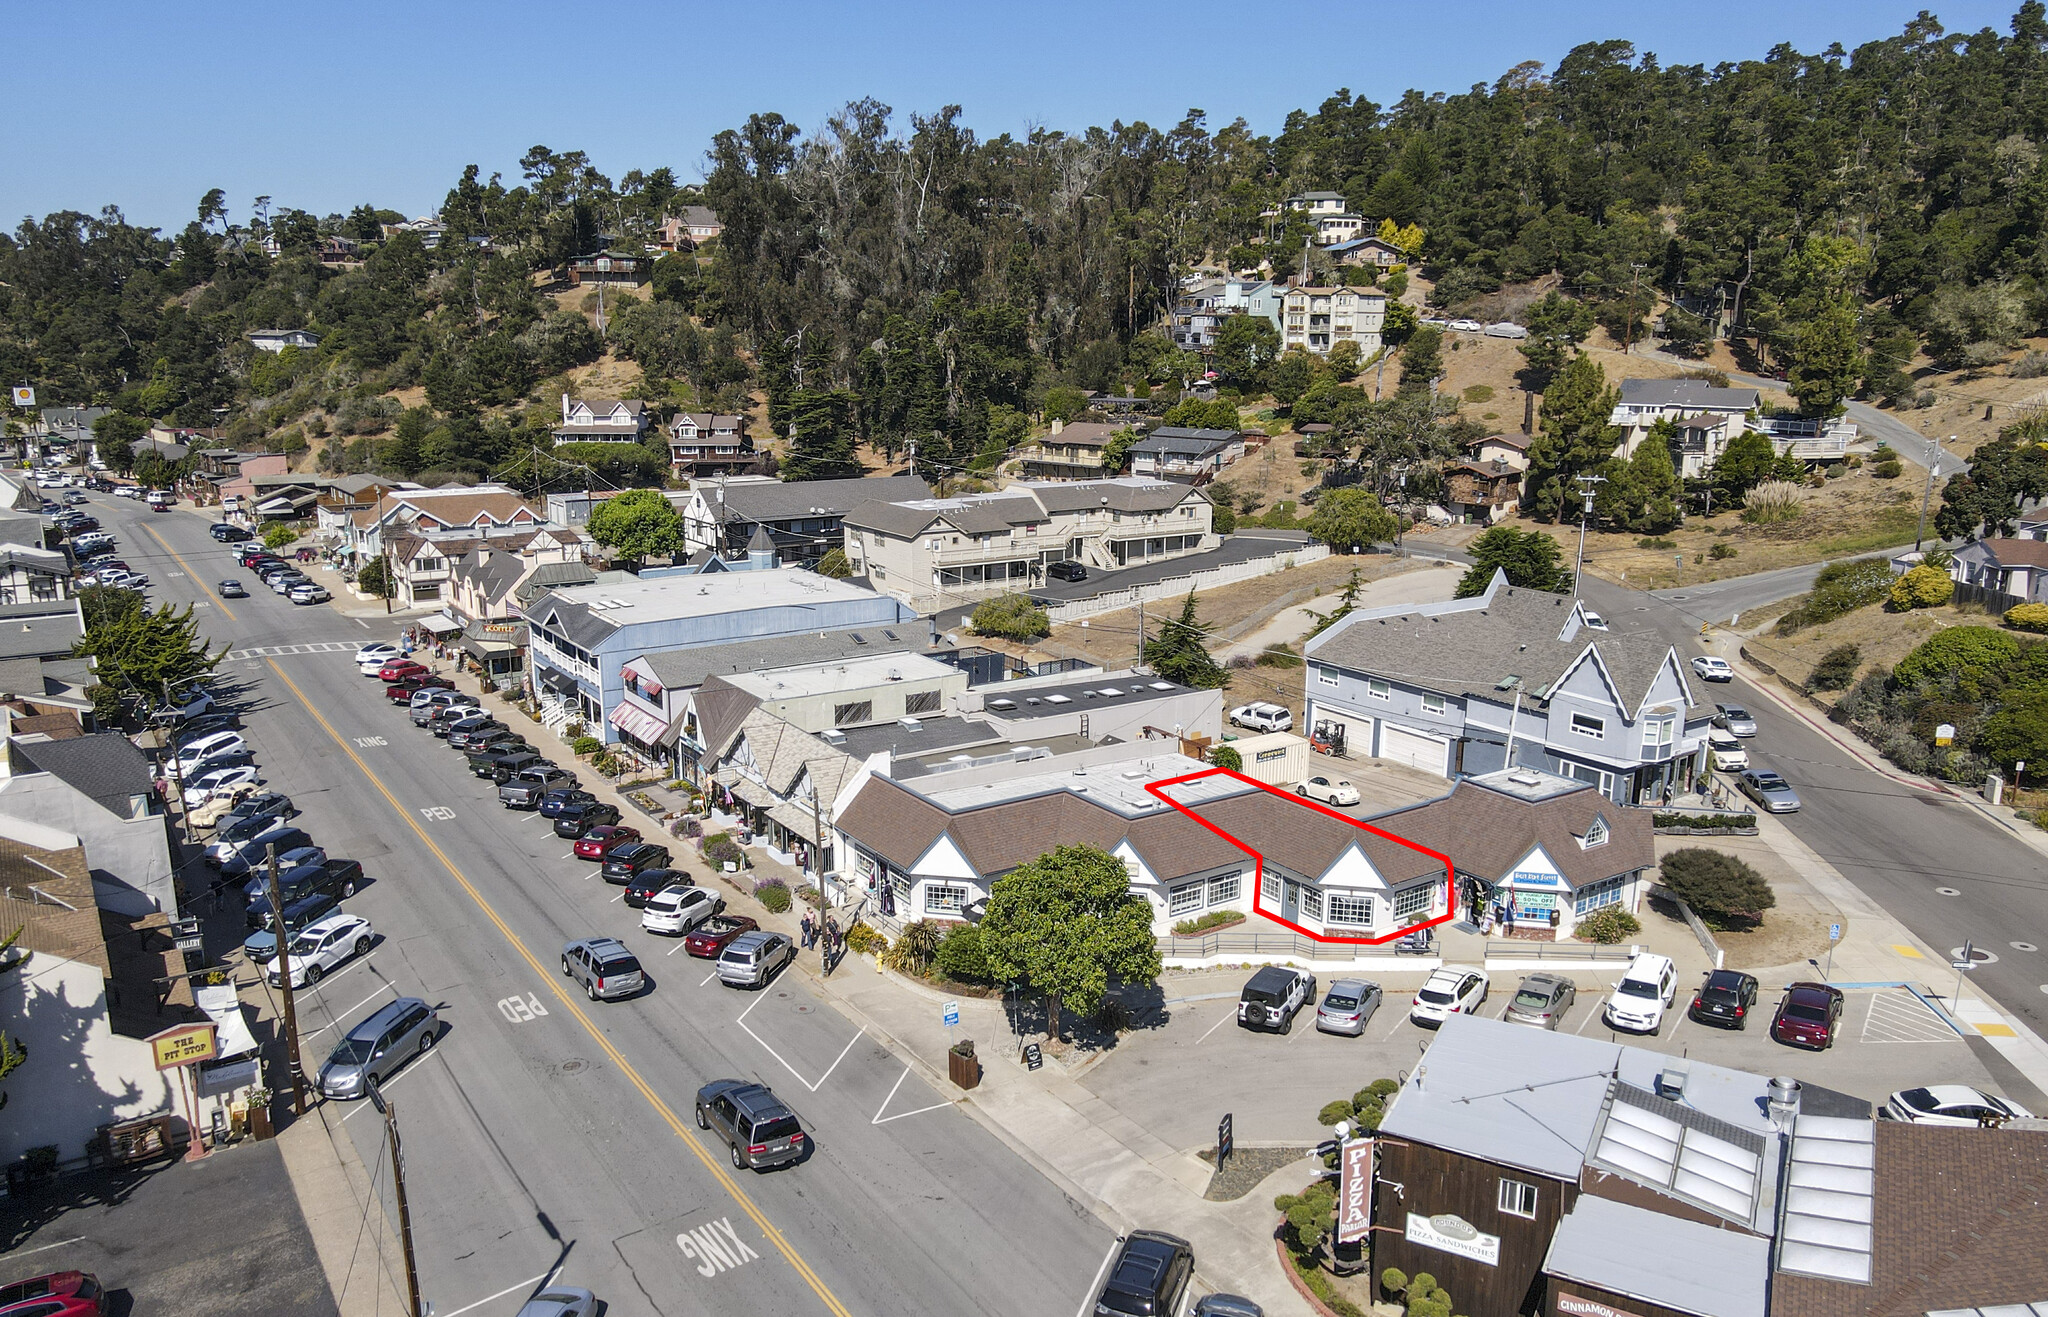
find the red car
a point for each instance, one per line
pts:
(708, 939)
(1807, 1016)
(402, 670)
(59, 1294)
(598, 842)
(400, 692)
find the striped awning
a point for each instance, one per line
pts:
(642, 726)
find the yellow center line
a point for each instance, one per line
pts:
(661, 1108)
(193, 576)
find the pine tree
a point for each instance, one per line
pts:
(1655, 481)
(1573, 435)
(1179, 655)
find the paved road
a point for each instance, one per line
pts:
(546, 1133)
(1945, 871)
(1725, 600)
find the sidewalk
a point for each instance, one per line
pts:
(357, 1243)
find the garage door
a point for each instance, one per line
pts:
(1357, 732)
(1413, 749)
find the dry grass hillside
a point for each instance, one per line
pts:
(1882, 637)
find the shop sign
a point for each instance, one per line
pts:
(1574, 1306)
(183, 1045)
(1533, 878)
(1354, 1191)
(226, 1077)
(1454, 1234)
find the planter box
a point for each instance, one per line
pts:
(964, 1071)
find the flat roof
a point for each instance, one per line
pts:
(847, 674)
(929, 737)
(663, 598)
(1118, 786)
(1099, 690)
(1665, 1260)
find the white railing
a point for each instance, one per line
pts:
(1175, 587)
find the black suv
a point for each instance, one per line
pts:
(1150, 1278)
(761, 1132)
(1067, 571)
(579, 817)
(1724, 999)
(649, 883)
(339, 878)
(502, 768)
(628, 862)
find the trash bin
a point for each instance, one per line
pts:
(962, 1066)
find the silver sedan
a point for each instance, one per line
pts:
(1348, 1007)
(1770, 791)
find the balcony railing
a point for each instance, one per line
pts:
(1235, 942)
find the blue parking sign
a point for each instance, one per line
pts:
(1834, 932)
(952, 1013)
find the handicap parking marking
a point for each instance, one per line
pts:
(1897, 1016)
(881, 1119)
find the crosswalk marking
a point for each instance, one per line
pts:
(283, 651)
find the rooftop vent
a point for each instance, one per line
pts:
(832, 736)
(891, 635)
(1110, 690)
(1162, 685)
(1058, 699)
(1671, 1079)
(859, 639)
(910, 724)
(1002, 706)
(1525, 778)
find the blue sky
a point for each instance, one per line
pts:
(146, 106)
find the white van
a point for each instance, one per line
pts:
(1644, 992)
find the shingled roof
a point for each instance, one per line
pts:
(1487, 830)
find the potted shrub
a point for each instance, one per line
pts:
(962, 1067)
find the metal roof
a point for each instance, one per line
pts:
(1661, 1259)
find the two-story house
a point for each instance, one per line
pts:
(1375, 252)
(1707, 418)
(1508, 678)
(802, 517)
(1071, 451)
(1317, 204)
(708, 444)
(1481, 491)
(1341, 227)
(685, 232)
(1174, 452)
(1511, 450)
(602, 420)
(1196, 315)
(932, 552)
(277, 340)
(611, 266)
(1317, 319)
(32, 574)
(476, 510)
(484, 579)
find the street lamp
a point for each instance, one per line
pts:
(1587, 484)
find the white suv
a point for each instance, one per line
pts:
(1644, 991)
(1261, 716)
(1452, 990)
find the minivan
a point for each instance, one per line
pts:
(208, 747)
(373, 1051)
(1644, 991)
(243, 859)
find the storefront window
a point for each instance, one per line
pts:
(1185, 898)
(1413, 901)
(1350, 909)
(1223, 890)
(940, 899)
(1605, 892)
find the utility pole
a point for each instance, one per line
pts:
(1587, 484)
(1141, 632)
(412, 1271)
(1927, 495)
(284, 974)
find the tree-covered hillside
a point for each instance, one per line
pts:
(887, 281)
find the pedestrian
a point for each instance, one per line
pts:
(831, 935)
(807, 930)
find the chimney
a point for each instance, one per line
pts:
(565, 409)
(1058, 425)
(1784, 1103)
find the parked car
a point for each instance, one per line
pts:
(758, 1129)
(560, 1301)
(709, 939)
(243, 858)
(427, 704)
(1708, 668)
(532, 782)
(1946, 1104)
(189, 757)
(219, 782)
(605, 968)
(1726, 750)
(309, 870)
(1724, 999)
(1770, 791)
(220, 720)
(232, 589)
(1329, 790)
(1261, 716)
(503, 767)
(645, 885)
(399, 669)
(1806, 1016)
(1225, 1305)
(555, 803)
(195, 705)
(467, 733)
(1149, 1278)
(580, 818)
(261, 946)
(677, 908)
(1542, 1000)
(55, 1294)
(308, 593)
(401, 692)
(1451, 990)
(600, 841)
(751, 959)
(1464, 326)
(1270, 999)
(379, 653)
(445, 719)
(219, 805)
(1348, 1007)
(1646, 989)
(1734, 718)
(1066, 571)
(319, 947)
(373, 1050)
(623, 863)
(262, 805)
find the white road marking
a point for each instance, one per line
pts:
(329, 978)
(742, 1022)
(42, 1248)
(343, 1015)
(880, 1119)
(708, 977)
(417, 1063)
(1591, 1015)
(1094, 1286)
(543, 1278)
(1227, 1016)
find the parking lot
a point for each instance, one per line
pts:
(1274, 1084)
